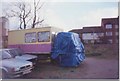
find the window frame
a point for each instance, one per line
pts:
(110, 40)
(41, 32)
(116, 26)
(108, 33)
(116, 33)
(32, 41)
(108, 26)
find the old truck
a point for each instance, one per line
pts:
(37, 41)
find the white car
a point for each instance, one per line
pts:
(11, 67)
(17, 53)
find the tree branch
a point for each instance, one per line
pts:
(38, 3)
(38, 22)
(40, 7)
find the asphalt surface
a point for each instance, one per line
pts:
(92, 68)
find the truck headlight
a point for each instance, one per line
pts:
(17, 69)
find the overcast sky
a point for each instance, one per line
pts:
(73, 14)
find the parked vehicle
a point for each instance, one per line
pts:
(68, 49)
(11, 67)
(17, 53)
(37, 41)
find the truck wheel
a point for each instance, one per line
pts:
(53, 61)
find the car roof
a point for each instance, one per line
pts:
(8, 49)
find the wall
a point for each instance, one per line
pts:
(3, 32)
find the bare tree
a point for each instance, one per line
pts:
(36, 20)
(23, 11)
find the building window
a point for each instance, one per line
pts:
(100, 34)
(116, 26)
(108, 33)
(116, 33)
(110, 40)
(92, 41)
(117, 41)
(30, 37)
(44, 36)
(89, 36)
(85, 41)
(108, 26)
(97, 40)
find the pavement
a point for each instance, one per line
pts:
(94, 67)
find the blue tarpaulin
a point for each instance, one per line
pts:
(68, 49)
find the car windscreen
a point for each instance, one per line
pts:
(19, 52)
(4, 55)
(12, 53)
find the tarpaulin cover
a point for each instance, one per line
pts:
(68, 49)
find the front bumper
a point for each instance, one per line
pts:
(20, 72)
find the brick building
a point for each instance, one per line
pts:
(92, 34)
(3, 32)
(111, 29)
(108, 32)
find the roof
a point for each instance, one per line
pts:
(3, 19)
(87, 29)
(110, 20)
(48, 27)
(92, 29)
(76, 31)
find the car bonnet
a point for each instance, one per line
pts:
(26, 57)
(15, 62)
